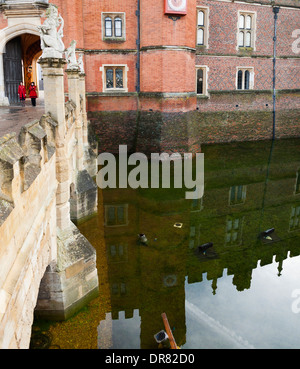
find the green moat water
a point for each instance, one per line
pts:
(244, 292)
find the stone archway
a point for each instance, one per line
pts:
(30, 43)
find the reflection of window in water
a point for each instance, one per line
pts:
(233, 231)
(237, 194)
(197, 204)
(294, 218)
(116, 215)
(194, 235)
(297, 187)
(118, 288)
(117, 253)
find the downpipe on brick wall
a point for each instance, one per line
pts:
(275, 11)
(138, 44)
(138, 70)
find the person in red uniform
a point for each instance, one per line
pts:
(32, 93)
(22, 93)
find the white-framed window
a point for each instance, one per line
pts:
(201, 79)
(246, 29)
(114, 77)
(202, 26)
(245, 78)
(113, 27)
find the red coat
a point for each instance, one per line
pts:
(32, 91)
(22, 92)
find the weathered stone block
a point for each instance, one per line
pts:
(83, 200)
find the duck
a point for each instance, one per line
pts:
(266, 234)
(205, 247)
(142, 238)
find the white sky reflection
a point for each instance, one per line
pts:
(259, 317)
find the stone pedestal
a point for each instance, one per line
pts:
(83, 200)
(74, 95)
(82, 92)
(90, 146)
(71, 280)
(55, 105)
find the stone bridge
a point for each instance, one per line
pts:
(48, 268)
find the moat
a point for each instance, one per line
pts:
(243, 292)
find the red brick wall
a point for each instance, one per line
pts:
(164, 69)
(223, 28)
(158, 29)
(71, 11)
(172, 71)
(248, 101)
(167, 71)
(93, 23)
(83, 22)
(94, 77)
(222, 72)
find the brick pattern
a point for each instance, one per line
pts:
(222, 72)
(167, 71)
(223, 28)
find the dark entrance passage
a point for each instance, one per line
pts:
(20, 65)
(12, 61)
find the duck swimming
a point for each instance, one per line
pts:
(205, 247)
(142, 238)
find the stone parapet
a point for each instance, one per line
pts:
(47, 266)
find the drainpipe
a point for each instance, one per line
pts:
(138, 44)
(275, 11)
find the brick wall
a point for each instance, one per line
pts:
(158, 29)
(166, 70)
(168, 56)
(223, 28)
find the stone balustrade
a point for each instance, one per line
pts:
(47, 267)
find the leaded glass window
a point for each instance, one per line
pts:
(245, 78)
(240, 80)
(108, 27)
(114, 77)
(202, 27)
(109, 78)
(200, 81)
(113, 26)
(119, 78)
(246, 30)
(118, 27)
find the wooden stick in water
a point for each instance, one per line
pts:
(169, 332)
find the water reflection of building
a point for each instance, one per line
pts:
(244, 195)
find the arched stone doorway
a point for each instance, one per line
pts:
(20, 64)
(22, 18)
(29, 39)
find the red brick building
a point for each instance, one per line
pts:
(148, 61)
